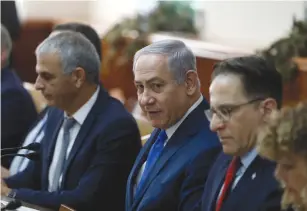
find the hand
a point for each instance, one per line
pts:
(4, 172)
(4, 189)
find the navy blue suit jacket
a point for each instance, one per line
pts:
(18, 112)
(96, 171)
(177, 179)
(257, 190)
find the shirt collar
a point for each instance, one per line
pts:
(170, 131)
(248, 158)
(82, 113)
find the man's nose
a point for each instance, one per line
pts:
(216, 123)
(38, 84)
(146, 99)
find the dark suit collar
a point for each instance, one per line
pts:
(191, 125)
(171, 130)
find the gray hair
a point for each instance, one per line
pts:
(74, 50)
(180, 58)
(6, 43)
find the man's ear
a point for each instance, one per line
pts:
(268, 106)
(79, 76)
(191, 82)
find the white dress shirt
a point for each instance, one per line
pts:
(170, 132)
(79, 117)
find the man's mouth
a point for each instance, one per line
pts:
(153, 113)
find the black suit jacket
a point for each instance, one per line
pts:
(96, 171)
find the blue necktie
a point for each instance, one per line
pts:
(153, 155)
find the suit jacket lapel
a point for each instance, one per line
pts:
(55, 120)
(85, 128)
(218, 182)
(57, 125)
(138, 164)
(246, 183)
(187, 128)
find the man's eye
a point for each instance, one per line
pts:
(226, 111)
(287, 166)
(157, 87)
(139, 87)
(47, 77)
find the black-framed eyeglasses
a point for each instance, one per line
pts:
(225, 112)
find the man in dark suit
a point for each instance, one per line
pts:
(36, 133)
(18, 111)
(90, 141)
(171, 169)
(243, 93)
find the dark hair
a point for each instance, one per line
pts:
(84, 29)
(259, 77)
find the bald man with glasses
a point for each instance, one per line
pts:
(243, 93)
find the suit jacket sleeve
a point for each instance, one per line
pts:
(28, 178)
(196, 176)
(114, 156)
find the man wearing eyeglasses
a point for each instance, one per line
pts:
(243, 93)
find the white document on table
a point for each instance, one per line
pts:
(22, 208)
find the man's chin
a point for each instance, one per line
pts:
(229, 150)
(50, 103)
(158, 124)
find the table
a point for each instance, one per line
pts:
(25, 206)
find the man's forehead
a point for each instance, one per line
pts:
(226, 89)
(150, 68)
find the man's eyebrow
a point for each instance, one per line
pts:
(223, 105)
(150, 80)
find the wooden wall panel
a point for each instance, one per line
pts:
(33, 32)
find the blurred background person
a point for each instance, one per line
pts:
(85, 29)
(18, 111)
(10, 18)
(284, 140)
